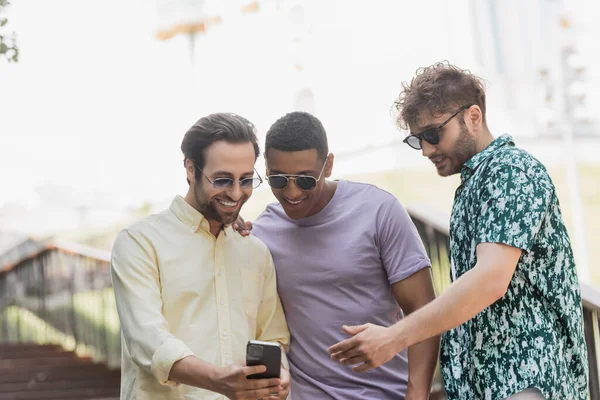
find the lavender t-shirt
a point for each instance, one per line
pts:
(336, 268)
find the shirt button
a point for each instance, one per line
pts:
(222, 303)
(220, 273)
(229, 362)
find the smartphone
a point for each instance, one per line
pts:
(264, 353)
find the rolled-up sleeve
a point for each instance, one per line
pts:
(271, 325)
(135, 276)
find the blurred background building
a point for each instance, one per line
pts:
(92, 116)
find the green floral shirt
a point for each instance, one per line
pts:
(533, 336)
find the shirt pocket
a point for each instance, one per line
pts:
(251, 293)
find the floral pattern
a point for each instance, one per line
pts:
(533, 336)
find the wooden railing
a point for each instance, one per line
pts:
(54, 292)
(434, 231)
(61, 293)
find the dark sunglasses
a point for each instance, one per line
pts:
(304, 182)
(431, 135)
(226, 183)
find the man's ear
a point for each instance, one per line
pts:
(474, 117)
(329, 165)
(190, 169)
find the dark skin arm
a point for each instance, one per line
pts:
(411, 293)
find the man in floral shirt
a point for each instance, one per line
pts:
(513, 315)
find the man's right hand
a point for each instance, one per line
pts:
(232, 382)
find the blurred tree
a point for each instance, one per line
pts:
(8, 42)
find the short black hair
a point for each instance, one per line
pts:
(297, 131)
(229, 127)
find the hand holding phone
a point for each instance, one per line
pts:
(232, 381)
(264, 353)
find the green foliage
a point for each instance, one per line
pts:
(8, 42)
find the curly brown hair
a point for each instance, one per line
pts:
(438, 89)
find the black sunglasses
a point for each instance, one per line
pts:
(304, 182)
(431, 135)
(226, 183)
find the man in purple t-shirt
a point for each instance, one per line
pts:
(346, 254)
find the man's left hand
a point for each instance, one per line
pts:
(284, 376)
(370, 346)
(242, 227)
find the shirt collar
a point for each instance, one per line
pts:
(471, 165)
(188, 215)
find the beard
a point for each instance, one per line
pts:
(464, 149)
(207, 207)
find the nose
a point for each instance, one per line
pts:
(292, 191)
(235, 191)
(427, 149)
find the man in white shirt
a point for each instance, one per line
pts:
(190, 291)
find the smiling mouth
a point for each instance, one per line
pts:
(294, 203)
(228, 204)
(437, 160)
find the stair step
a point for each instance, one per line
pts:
(28, 346)
(18, 355)
(101, 398)
(48, 372)
(6, 365)
(54, 374)
(35, 385)
(61, 394)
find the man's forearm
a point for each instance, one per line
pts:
(463, 300)
(422, 359)
(194, 372)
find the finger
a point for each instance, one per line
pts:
(346, 355)
(252, 384)
(248, 225)
(343, 355)
(344, 345)
(240, 226)
(261, 393)
(258, 384)
(364, 367)
(354, 330)
(281, 395)
(354, 360)
(255, 369)
(284, 375)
